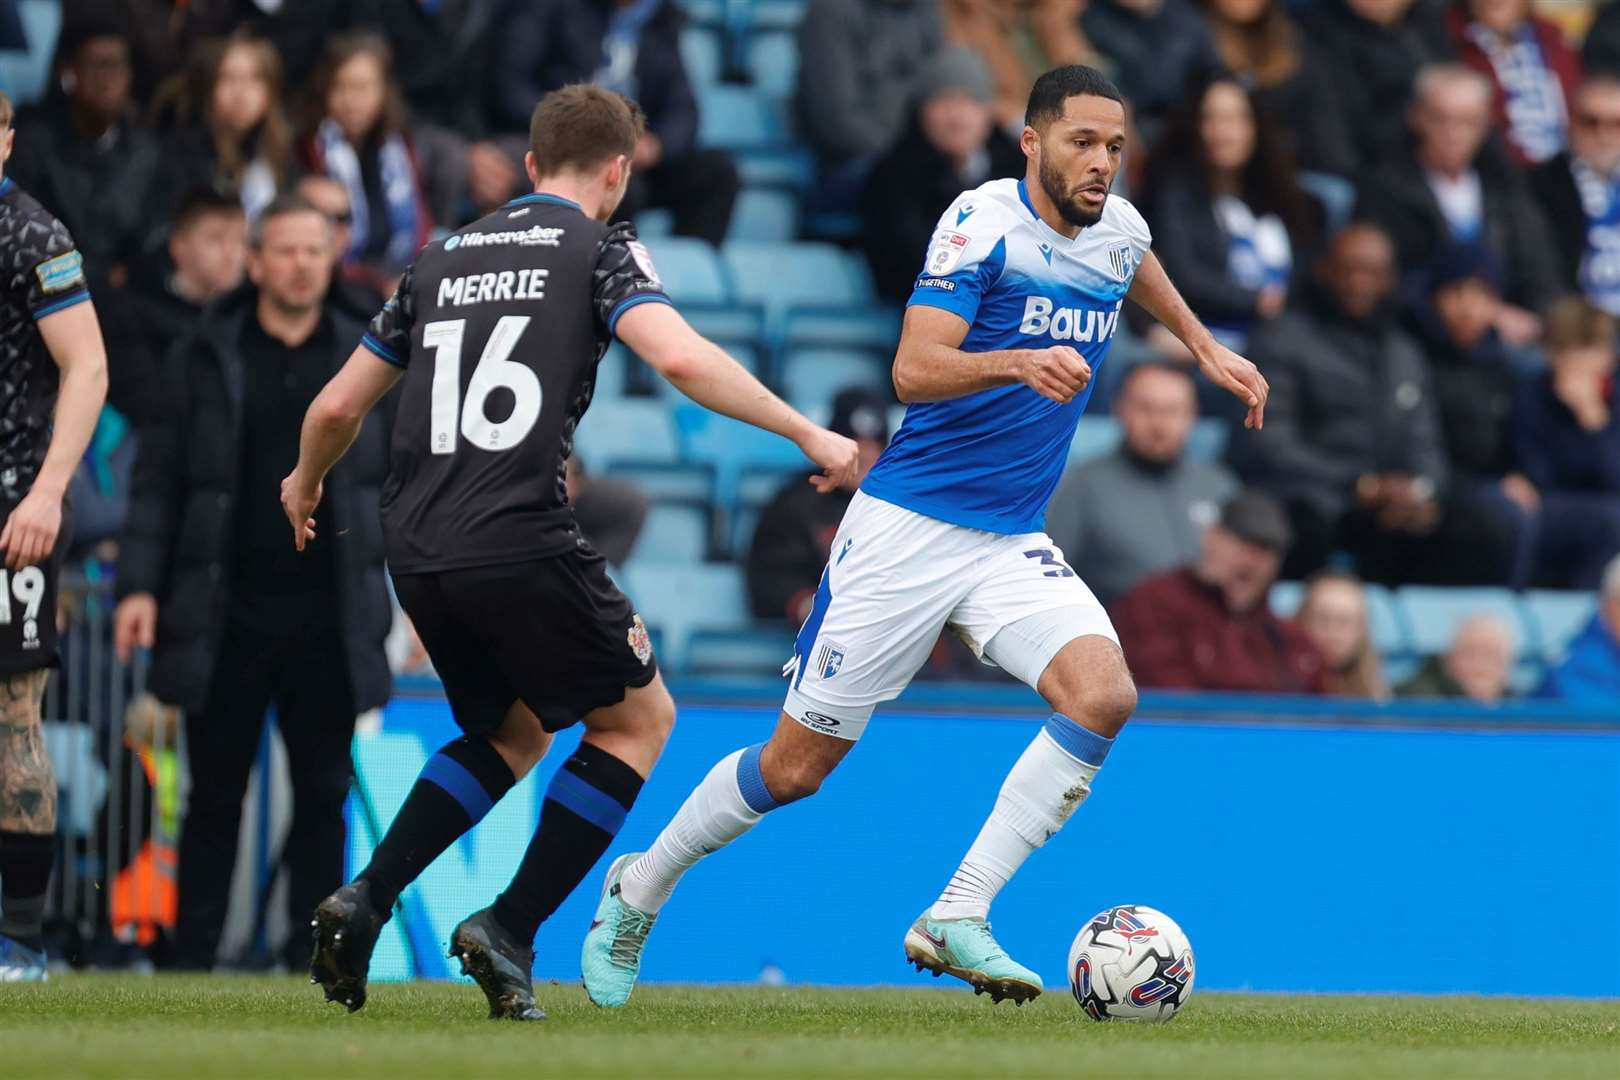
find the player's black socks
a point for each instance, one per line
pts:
(455, 790)
(25, 876)
(585, 805)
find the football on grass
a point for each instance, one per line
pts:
(1131, 963)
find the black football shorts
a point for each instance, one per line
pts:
(28, 607)
(554, 633)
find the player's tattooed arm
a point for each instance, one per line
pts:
(1158, 296)
(930, 365)
(27, 784)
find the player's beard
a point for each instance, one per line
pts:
(1056, 188)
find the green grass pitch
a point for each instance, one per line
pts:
(175, 1028)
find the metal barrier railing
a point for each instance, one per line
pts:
(117, 759)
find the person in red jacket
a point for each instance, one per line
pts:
(1532, 65)
(1208, 627)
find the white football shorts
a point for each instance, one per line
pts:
(896, 579)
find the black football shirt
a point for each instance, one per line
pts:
(40, 273)
(500, 327)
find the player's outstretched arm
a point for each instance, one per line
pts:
(929, 365)
(330, 427)
(1157, 294)
(73, 338)
(701, 370)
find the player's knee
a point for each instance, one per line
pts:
(1103, 705)
(790, 782)
(521, 742)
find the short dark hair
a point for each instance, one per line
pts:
(1163, 367)
(288, 202)
(582, 126)
(1051, 90)
(201, 202)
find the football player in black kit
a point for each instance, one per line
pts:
(495, 333)
(53, 380)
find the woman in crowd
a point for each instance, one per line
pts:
(1334, 617)
(232, 134)
(1229, 220)
(361, 141)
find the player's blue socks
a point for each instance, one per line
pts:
(1047, 784)
(584, 808)
(454, 791)
(727, 803)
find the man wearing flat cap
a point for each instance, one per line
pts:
(1208, 626)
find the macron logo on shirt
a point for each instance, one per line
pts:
(965, 213)
(1042, 317)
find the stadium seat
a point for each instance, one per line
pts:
(742, 523)
(24, 75)
(811, 378)
(1557, 617)
(776, 14)
(759, 649)
(764, 215)
(773, 62)
(690, 270)
(730, 322)
(674, 532)
(865, 328)
(678, 481)
(758, 485)
(626, 428)
(681, 599)
(1388, 632)
(731, 447)
(703, 54)
(739, 118)
(706, 12)
(1433, 613)
(612, 377)
(1208, 440)
(789, 167)
(654, 222)
(781, 276)
(1094, 436)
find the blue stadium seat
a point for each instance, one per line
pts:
(654, 222)
(626, 429)
(678, 481)
(744, 520)
(1433, 614)
(739, 118)
(702, 52)
(759, 649)
(731, 447)
(776, 14)
(788, 166)
(733, 323)
(674, 532)
(811, 378)
(781, 276)
(690, 270)
(681, 599)
(865, 328)
(612, 377)
(764, 215)
(706, 12)
(773, 62)
(23, 75)
(1208, 440)
(1388, 631)
(1558, 617)
(758, 485)
(1094, 436)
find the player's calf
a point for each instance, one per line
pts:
(27, 817)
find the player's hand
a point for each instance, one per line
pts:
(300, 501)
(1056, 372)
(1240, 378)
(839, 458)
(30, 533)
(134, 624)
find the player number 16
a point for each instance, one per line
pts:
(494, 371)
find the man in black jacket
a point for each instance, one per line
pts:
(632, 47)
(1456, 186)
(239, 620)
(953, 144)
(1352, 442)
(1579, 190)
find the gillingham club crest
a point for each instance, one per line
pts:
(640, 643)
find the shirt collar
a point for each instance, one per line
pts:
(545, 197)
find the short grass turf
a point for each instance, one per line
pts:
(176, 1028)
